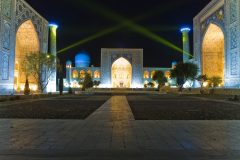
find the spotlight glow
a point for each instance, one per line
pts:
(185, 29)
(54, 25)
(131, 24)
(97, 35)
(160, 10)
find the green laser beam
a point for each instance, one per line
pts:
(126, 22)
(104, 32)
(120, 26)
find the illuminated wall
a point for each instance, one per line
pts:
(121, 74)
(121, 68)
(133, 56)
(76, 74)
(149, 72)
(27, 42)
(213, 52)
(13, 14)
(216, 41)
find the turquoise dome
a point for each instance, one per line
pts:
(82, 59)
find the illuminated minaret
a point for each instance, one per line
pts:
(186, 47)
(53, 50)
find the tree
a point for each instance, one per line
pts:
(41, 67)
(70, 91)
(184, 72)
(87, 83)
(202, 79)
(96, 83)
(160, 78)
(60, 72)
(26, 88)
(151, 84)
(214, 81)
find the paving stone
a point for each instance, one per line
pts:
(111, 132)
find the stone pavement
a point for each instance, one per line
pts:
(112, 133)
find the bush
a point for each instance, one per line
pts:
(87, 83)
(3, 99)
(14, 98)
(160, 78)
(70, 90)
(26, 88)
(184, 72)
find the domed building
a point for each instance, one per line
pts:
(82, 59)
(120, 68)
(216, 41)
(23, 30)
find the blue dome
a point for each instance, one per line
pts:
(82, 59)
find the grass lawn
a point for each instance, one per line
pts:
(72, 107)
(170, 107)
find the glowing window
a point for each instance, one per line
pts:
(96, 74)
(167, 74)
(82, 74)
(90, 72)
(146, 74)
(75, 74)
(152, 74)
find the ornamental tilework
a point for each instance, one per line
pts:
(233, 11)
(229, 23)
(25, 13)
(233, 37)
(5, 67)
(7, 5)
(6, 35)
(217, 18)
(234, 63)
(13, 13)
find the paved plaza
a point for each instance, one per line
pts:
(111, 132)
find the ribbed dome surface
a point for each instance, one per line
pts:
(82, 59)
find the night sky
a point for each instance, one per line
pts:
(164, 18)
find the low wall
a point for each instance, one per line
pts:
(222, 91)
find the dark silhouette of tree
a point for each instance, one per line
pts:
(160, 78)
(184, 72)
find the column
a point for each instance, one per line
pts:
(186, 47)
(53, 50)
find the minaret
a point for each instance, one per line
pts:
(53, 50)
(186, 47)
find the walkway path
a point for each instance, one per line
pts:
(112, 133)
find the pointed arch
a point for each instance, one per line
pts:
(121, 73)
(27, 42)
(213, 48)
(146, 74)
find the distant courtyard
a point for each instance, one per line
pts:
(143, 107)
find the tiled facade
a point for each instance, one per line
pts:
(140, 75)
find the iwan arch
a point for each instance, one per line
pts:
(216, 41)
(23, 31)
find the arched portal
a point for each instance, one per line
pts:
(146, 74)
(96, 74)
(121, 74)
(27, 42)
(213, 59)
